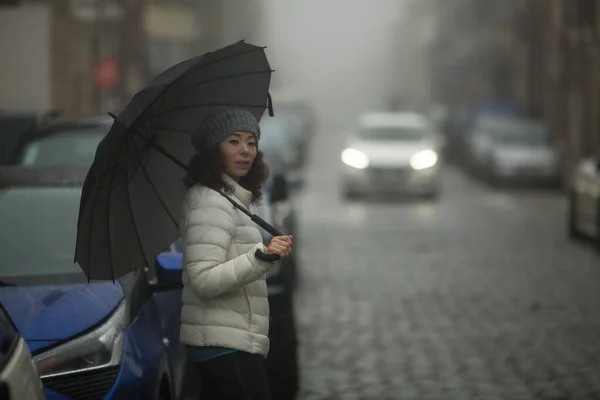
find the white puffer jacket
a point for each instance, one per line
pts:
(225, 292)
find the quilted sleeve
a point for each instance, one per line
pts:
(209, 225)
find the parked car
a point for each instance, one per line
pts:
(508, 149)
(155, 290)
(18, 377)
(279, 138)
(467, 117)
(288, 103)
(392, 152)
(277, 207)
(17, 127)
(89, 340)
(584, 200)
(62, 142)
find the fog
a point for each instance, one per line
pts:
(338, 53)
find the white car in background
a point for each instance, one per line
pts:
(392, 153)
(584, 200)
(508, 149)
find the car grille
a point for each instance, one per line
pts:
(87, 385)
(389, 174)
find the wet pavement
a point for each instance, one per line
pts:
(478, 295)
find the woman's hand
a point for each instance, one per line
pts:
(280, 245)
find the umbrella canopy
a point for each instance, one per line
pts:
(133, 192)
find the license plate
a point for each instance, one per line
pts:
(389, 174)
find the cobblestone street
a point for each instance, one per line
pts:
(479, 295)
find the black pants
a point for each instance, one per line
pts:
(234, 376)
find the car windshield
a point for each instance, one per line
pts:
(11, 129)
(393, 133)
(38, 238)
(520, 135)
(69, 148)
(274, 134)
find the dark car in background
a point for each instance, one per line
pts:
(281, 136)
(463, 120)
(18, 127)
(292, 130)
(62, 142)
(288, 103)
(513, 150)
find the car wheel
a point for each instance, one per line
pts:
(572, 217)
(281, 364)
(288, 273)
(284, 382)
(165, 392)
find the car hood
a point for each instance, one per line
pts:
(45, 315)
(390, 153)
(524, 155)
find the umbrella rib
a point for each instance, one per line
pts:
(181, 108)
(110, 255)
(154, 121)
(89, 257)
(158, 196)
(220, 78)
(179, 93)
(168, 130)
(241, 53)
(137, 234)
(218, 60)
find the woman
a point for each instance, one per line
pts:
(225, 315)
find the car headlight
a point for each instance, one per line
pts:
(355, 158)
(424, 159)
(100, 348)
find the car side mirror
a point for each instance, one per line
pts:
(279, 189)
(169, 270)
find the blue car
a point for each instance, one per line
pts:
(98, 340)
(105, 340)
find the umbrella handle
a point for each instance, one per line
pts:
(266, 257)
(265, 225)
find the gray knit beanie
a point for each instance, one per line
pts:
(218, 125)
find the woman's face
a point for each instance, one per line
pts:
(238, 151)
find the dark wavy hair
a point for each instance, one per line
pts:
(206, 167)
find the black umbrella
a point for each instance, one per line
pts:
(133, 192)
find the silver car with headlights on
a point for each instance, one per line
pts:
(392, 153)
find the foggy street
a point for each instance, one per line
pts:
(192, 208)
(478, 295)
